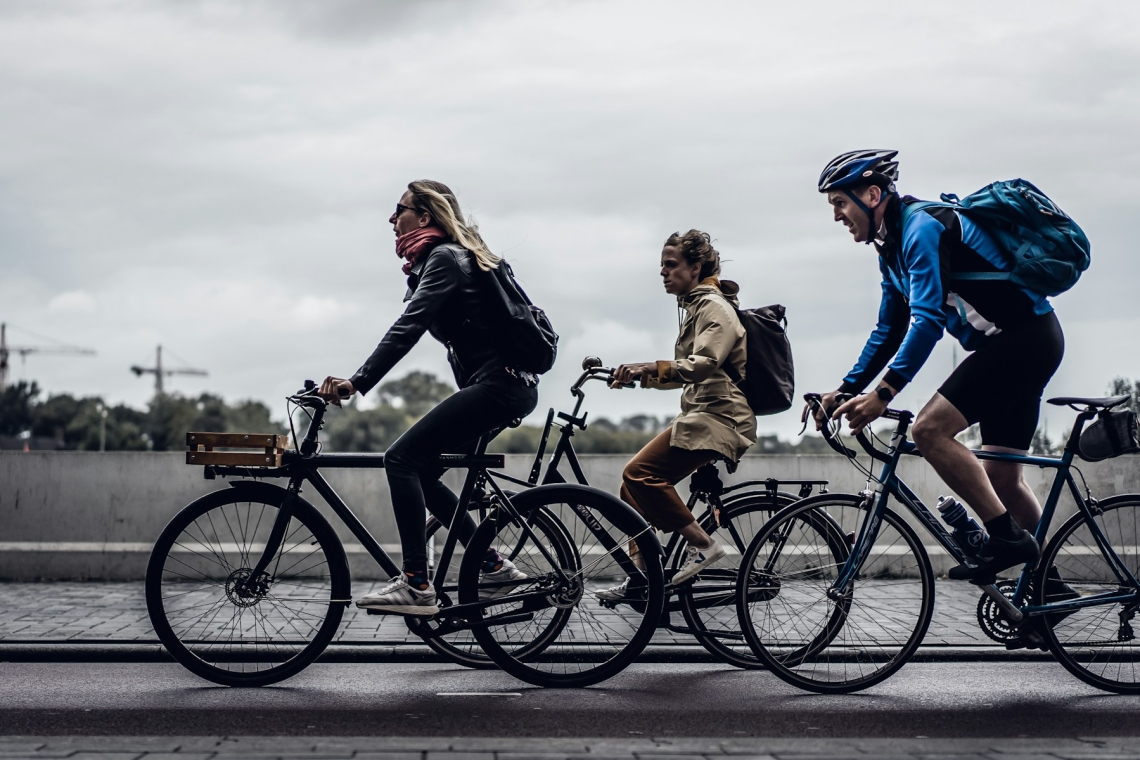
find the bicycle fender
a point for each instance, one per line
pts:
(258, 485)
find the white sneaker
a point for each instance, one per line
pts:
(398, 598)
(614, 594)
(506, 574)
(697, 560)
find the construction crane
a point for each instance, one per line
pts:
(160, 372)
(6, 351)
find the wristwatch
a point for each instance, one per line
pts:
(884, 393)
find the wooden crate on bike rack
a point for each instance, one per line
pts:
(202, 449)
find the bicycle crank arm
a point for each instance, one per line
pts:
(1000, 599)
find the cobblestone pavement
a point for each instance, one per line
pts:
(395, 748)
(43, 613)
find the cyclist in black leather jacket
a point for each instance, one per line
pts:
(450, 294)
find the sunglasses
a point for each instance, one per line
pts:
(401, 208)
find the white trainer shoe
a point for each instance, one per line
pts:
(507, 574)
(615, 593)
(697, 560)
(398, 598)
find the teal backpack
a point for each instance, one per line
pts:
(1049, 251)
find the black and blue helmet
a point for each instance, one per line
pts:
(860, 167)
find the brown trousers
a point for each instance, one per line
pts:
(648, 480)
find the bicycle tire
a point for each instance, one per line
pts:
(462, 647)
(592, 641)
(272, 633)
(841, 649)
(1096, 644)
(708, 604)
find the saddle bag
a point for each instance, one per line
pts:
(1112, 433)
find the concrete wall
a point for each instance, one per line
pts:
(89, 515)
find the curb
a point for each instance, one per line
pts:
(152, 651)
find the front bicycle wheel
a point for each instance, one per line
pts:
(1097, 644)
(230, 628)
(834, 641)
(587, 639)
(708, 604)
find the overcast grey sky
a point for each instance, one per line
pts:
(217, 177)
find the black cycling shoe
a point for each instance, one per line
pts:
(998, 554)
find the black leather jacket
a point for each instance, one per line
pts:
(453, 299)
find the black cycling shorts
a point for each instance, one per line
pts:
(999, 386)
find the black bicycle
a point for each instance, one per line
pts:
(247, 585)
(707, 604)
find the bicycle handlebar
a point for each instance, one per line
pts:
(815, 401)
(594, 372)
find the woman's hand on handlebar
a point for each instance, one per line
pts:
(818, 413)
(333, 389)
(627, 373)
(861, 411)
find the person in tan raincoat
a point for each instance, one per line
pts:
(715, 421)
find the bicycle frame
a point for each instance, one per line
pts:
(889, 484)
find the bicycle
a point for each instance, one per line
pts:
(247, 585)
(708, 603)
(838, 590)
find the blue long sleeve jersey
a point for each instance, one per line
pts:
(921, 298)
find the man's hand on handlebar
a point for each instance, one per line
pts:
(627, 373)
(818, 413)
(861, 411)
(333, 389)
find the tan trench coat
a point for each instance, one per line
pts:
(714, 413)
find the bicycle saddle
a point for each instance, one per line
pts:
(1106, 402)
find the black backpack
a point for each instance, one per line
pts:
(769, 381)
(530, 341)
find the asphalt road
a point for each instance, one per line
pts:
(923, 700)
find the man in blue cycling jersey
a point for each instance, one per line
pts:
(1014, 337)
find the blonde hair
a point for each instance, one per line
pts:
(696, 247)
(437, 199)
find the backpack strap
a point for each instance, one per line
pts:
(950, 202)
(732, 372)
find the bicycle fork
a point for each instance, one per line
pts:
(256, 581)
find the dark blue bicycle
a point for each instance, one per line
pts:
(836, 592)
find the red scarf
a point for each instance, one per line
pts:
(412, 245)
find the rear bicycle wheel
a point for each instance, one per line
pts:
(1096, 644)
(459, 647)
(587, 640)
(226, 629)
(708, 604)
(856, 639)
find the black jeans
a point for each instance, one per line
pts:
(452, 427)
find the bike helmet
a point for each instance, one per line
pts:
(861, 167)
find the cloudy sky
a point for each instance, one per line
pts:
(217, 177)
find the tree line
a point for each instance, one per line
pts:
(63, 421)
